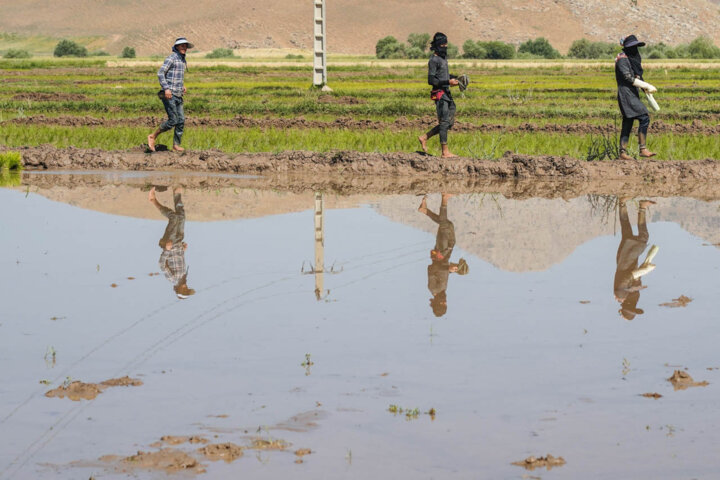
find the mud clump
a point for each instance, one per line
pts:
(262, 444)
(531, 463)
(122, 382)
(300, 453)
(77, 390)
(167, 460)
(50, 97)
(222, 451)
(651, 395)
(681, 301)
(682, 380)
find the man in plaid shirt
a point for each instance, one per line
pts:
(172, 258)
(172, 81)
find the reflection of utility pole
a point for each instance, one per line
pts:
(319, 245)
(320, 57)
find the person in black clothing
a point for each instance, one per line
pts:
(172, 258)
(629, 77)
(441, 268)
(625, 285)
(441, 80)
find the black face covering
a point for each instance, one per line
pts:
(441, 51)
(633, 55)
(439, 39)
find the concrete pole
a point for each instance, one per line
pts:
(319, 246)
(320, 46)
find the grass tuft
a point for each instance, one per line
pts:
(11, 161)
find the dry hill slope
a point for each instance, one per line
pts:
(353, 26)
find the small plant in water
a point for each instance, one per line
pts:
(307, 364)
(67, 382)
(49, 357)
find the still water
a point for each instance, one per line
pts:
(306, 317)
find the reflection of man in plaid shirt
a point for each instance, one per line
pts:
(172, 259)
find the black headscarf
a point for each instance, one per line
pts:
(439, 39)
(633, 55)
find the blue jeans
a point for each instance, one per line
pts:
(176, 118)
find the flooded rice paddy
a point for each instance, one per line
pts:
(307, 335)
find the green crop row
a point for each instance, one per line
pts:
(475, 145)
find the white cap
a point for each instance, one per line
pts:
(181, 40)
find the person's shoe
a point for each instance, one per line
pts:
(625, 156)
(645, 153)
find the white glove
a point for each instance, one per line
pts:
(644, 85)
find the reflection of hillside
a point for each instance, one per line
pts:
(534, 234)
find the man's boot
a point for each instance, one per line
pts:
(644, 152)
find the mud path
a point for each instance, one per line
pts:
(400, 124)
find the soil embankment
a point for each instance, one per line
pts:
(350, 163)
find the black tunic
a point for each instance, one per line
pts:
(628, 95)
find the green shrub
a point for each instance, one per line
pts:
(584, 48)
(99, 53)
(540, 47)
(10, 161)
(420, 41)
(17, 53)
(415, 52)
(389, 47)
(703, 47)
(473, 50)
(68, 48)
(220, 53)
(452, 51)
(498, 50)
(128, 52)
(290, 56)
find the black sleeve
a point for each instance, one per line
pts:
(626, 70)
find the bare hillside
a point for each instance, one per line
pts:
(355, 27)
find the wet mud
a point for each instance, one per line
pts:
(681, 301)
(168, 460)
(348, 123)
(531, 463)
(178, 440)
(682, 380)
(350, 163)
(222, 451)
(654, 395)
(77, 390)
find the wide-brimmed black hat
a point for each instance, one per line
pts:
(631, 41)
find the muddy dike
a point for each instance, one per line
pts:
(510, 165)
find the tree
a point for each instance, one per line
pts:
(68, 48)
(703, 47)
(473, 50)
(584, 48)
(128, 52)
(415, 52)
(453, 51)
(419, 40)
(389, 47)
(498, 50)
(540, 47)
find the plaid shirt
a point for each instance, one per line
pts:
(172, 74)
(172, 263)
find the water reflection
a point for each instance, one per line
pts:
(628, 275)
(440, 269)
(172, 259)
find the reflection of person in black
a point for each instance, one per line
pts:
(628, 282)
(172, 259)
(441, 268)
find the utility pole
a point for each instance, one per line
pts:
(320, 46)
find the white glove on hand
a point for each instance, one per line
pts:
(644, 85)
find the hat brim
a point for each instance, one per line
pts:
(635, 43)
(189, 45)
